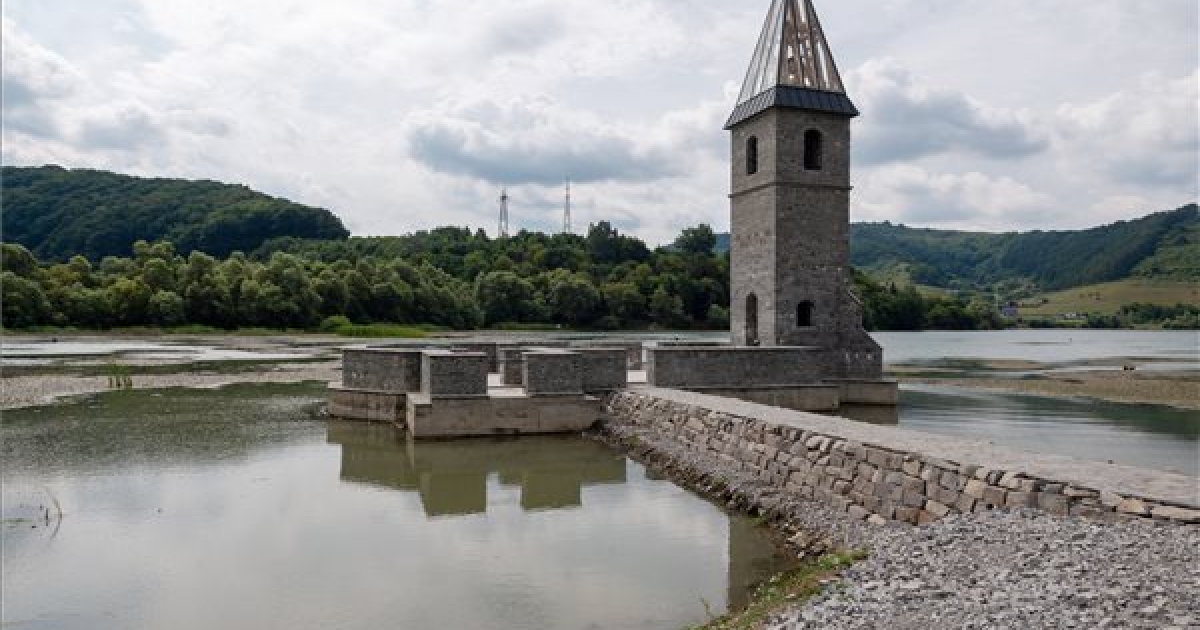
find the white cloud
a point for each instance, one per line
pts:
(410, 114)
(974, 201)
(1145, 136)
(531, 141)
(33, 77)
(906, 119)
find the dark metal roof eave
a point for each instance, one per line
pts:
(794, 98)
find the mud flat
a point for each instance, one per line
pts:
(1174, 388)
(33, 390)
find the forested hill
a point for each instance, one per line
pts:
(58, 213)
(1163, 245)
(1160, 245)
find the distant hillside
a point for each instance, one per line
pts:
(1052, 260)
(58, 213)
(1164, 245)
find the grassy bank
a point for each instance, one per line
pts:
(786, 589)
(1108, 298)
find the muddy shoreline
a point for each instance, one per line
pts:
(1180, 389)
(17, 392)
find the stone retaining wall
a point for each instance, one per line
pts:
(870, 481)
(692, 367)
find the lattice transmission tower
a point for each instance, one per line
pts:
(567, 210)
(503, 231)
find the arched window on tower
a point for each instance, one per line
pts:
(752, 155)
(804, 313)
(812, 150)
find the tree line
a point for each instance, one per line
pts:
(449, 277)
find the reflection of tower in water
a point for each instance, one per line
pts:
(452, 477)
(753, 559)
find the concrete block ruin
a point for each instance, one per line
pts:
(476, 387)
(443, 391)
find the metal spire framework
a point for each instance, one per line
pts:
(567, 210)
(503, 231)
(792, 66)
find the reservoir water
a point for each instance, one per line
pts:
(240, 508)
(1144, 436)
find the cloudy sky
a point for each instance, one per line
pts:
(407, 114)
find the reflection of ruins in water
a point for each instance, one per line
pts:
(753, 559)
(451, 477)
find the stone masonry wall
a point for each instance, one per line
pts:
(869, 481)
(454, 374)
(700, 367)
(553, 373)
(604, 369)
(384, 370)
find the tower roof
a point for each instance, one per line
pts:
(792, 66)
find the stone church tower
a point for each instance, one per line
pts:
(791, 199)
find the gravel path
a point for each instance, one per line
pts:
(1016, 570)
(28, 391)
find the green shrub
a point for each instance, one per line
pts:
(335, 323)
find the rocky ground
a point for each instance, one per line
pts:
(995, 570)
(1015, 570)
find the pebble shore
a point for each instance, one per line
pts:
(1016, 570)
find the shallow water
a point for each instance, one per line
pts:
(240, 508)
(1145, 436)
(1043, 346)
(48, 352)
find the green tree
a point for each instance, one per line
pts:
(206, 294)
(504, 296)
(699, 240)
(666, 309)
(624, 301)
(18, 260)
(572, 299)
(166, 308)
(23, 301)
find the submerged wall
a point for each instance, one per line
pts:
(902, 475)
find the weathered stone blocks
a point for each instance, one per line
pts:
(382, 369)
(446, 374)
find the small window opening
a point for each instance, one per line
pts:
(751, 155)
(804, 313)
(812, 150)
(752, 320)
